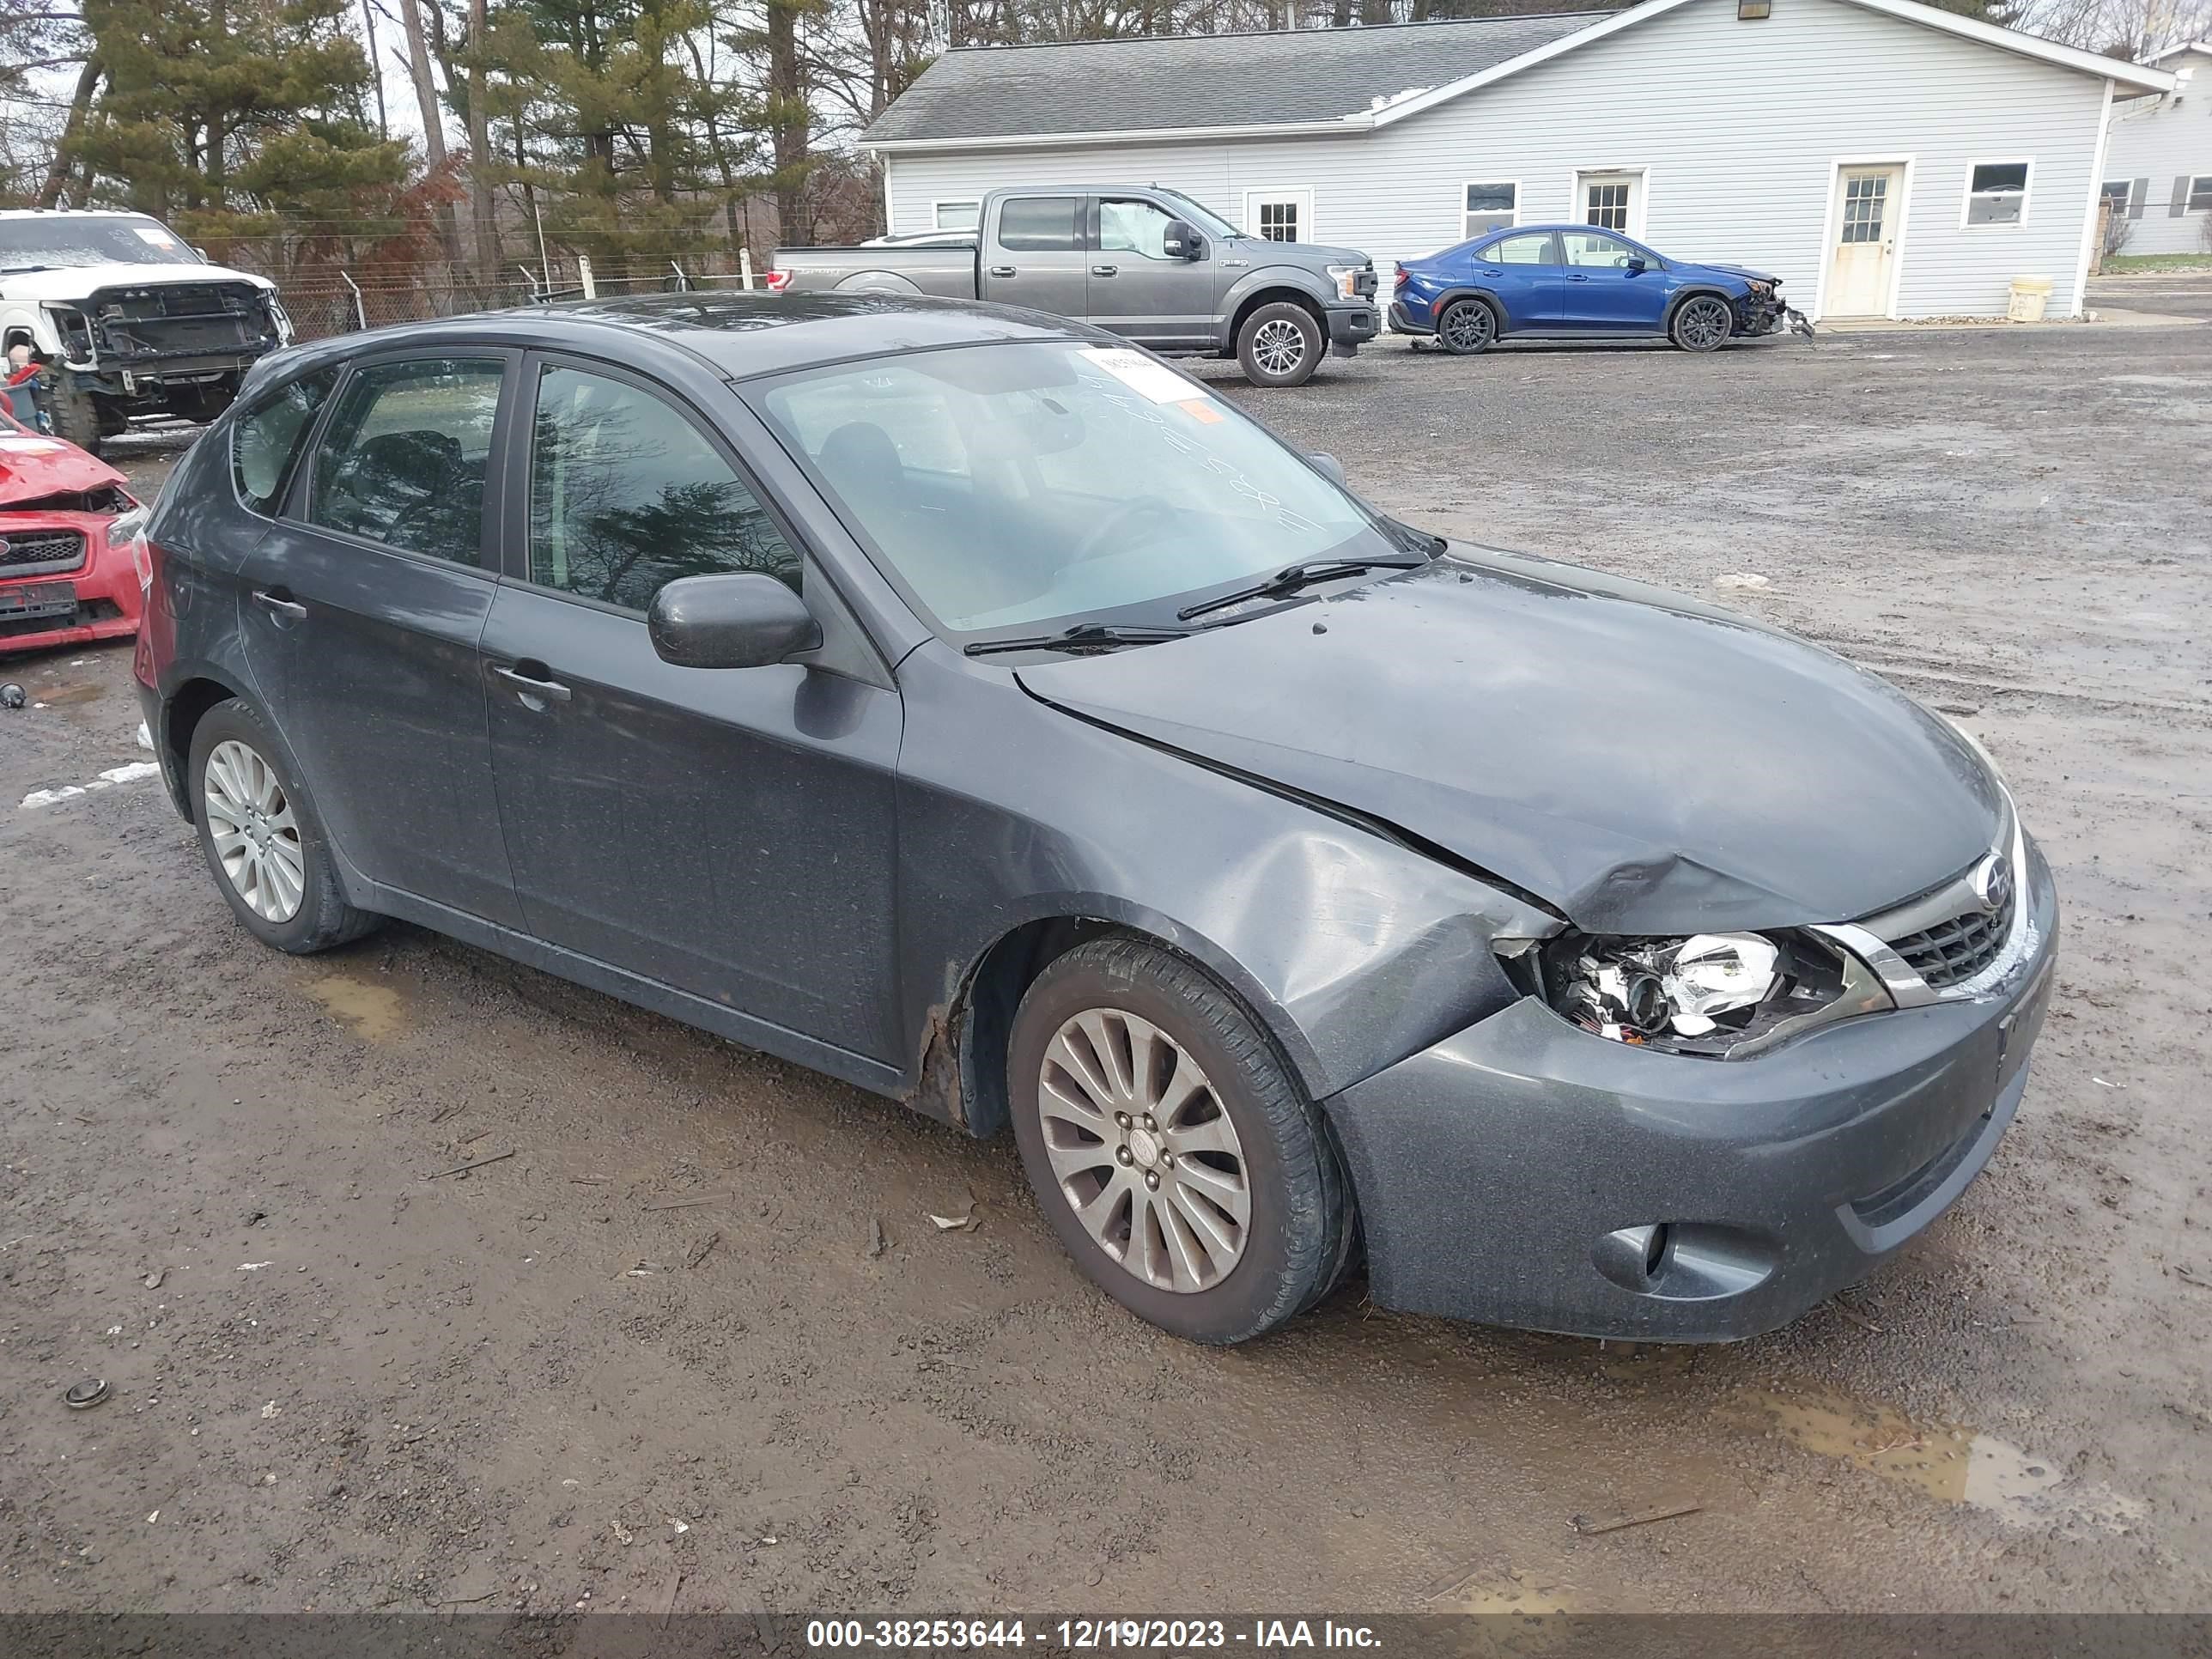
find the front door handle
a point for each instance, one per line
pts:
(278, 603)
(1002, 271)
(1577, 279)
(534, 686)
(1104, 270)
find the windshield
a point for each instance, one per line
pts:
(1202, 216)
(57, 240)
(1006, 486)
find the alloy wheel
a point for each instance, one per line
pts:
(256, 837)
(1468, 325)
(1144, 1152)
(1277, 346)
(1703, 325)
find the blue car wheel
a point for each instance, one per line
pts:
(1466, 327)
(1703, 323)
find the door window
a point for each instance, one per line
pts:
(626, 496)
(1591, 252)
(1136, 227)
(1865, 199)
(1278, 221)
(1534, 249)
(1040, 224)
(264, 444)
(403, 460)
(1605, 204)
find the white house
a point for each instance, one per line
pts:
(2159, 170)
(1885, 158)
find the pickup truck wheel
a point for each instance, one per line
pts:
(1466, 326)
(1178, 1157)
(76, 416)
(1280, 345)
(1702, 322)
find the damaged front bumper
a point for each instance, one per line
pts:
(1763, 311)
(1525, 1172)
(62, 582)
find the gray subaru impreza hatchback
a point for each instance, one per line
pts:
(966, 704)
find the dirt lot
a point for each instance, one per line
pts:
(341, 1384)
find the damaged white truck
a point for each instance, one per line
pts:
(127, 320)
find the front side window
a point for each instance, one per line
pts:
(1040, 224)
(403, 460)
(1534, 249)
(1490, 207)
(1137, 228)
(1996, 193)
(1591, 251)
(265, 443)
(1007, 486)
(627, 496)
(958, 216)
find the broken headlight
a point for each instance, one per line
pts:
(1711, 994)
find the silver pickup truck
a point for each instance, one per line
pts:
(1151, 265)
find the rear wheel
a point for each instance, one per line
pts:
(1280, 345)
(262, 838)
(1179, 1161)
(1702, 322)
(1466, 327)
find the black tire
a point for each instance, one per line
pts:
(1262, 344)
(324, 919)
(1298, 1240)
(76, 416)
(1466, 326)
(1701, 323)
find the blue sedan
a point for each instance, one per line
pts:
(1578, 282)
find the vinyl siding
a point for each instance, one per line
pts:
(2159, 140)
(1740, 126)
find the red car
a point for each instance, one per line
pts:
(69, 541)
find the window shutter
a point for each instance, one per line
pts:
(2180, 204)
(2137, 191)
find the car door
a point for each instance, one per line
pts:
(1136, 289)
(1522, 272)
(1038, 255)
(1609, 285)
(362, 606)
(729, 832)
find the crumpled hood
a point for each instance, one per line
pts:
(1644, 762)
(80, 281)
(1755, 275)
(32, 467)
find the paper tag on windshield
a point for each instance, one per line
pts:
(1147, 379)
(158, 237)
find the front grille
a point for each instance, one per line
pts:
(36, 552)
(1952, 953)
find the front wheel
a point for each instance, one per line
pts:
(1702, 322)
(1179, 1161)
(1466, 326)
(76, 416)
(1280, 345)
(262, 838)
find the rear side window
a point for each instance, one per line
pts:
(265, 443)
(1040, 224)
(403, 458)
(626, 496)
(1534, 249)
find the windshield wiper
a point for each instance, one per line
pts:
(1291, 578)
(22, 270)
(1085, 636)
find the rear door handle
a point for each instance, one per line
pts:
(534, 686)
(1002, 271)
(1104, 270)
(278, 603)
(1573, 278)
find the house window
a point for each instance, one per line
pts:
(1606, 205)
(1490, 207)
(1279, 220)
(2200, 194)
(1866, 200)
(2115, 191)
(1996, 193)
(958, 216)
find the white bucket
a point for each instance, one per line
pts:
(2030, 294)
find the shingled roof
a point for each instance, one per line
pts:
(1291, 78)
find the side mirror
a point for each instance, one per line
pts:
(1181, 241)
(1330, 467)
(744, 621)
(1636, 267)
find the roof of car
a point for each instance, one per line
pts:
(739, 333)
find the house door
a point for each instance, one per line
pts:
(1611, 201)
(1864, 259)
(1279, 215)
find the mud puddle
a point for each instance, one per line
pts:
(370, 1011)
